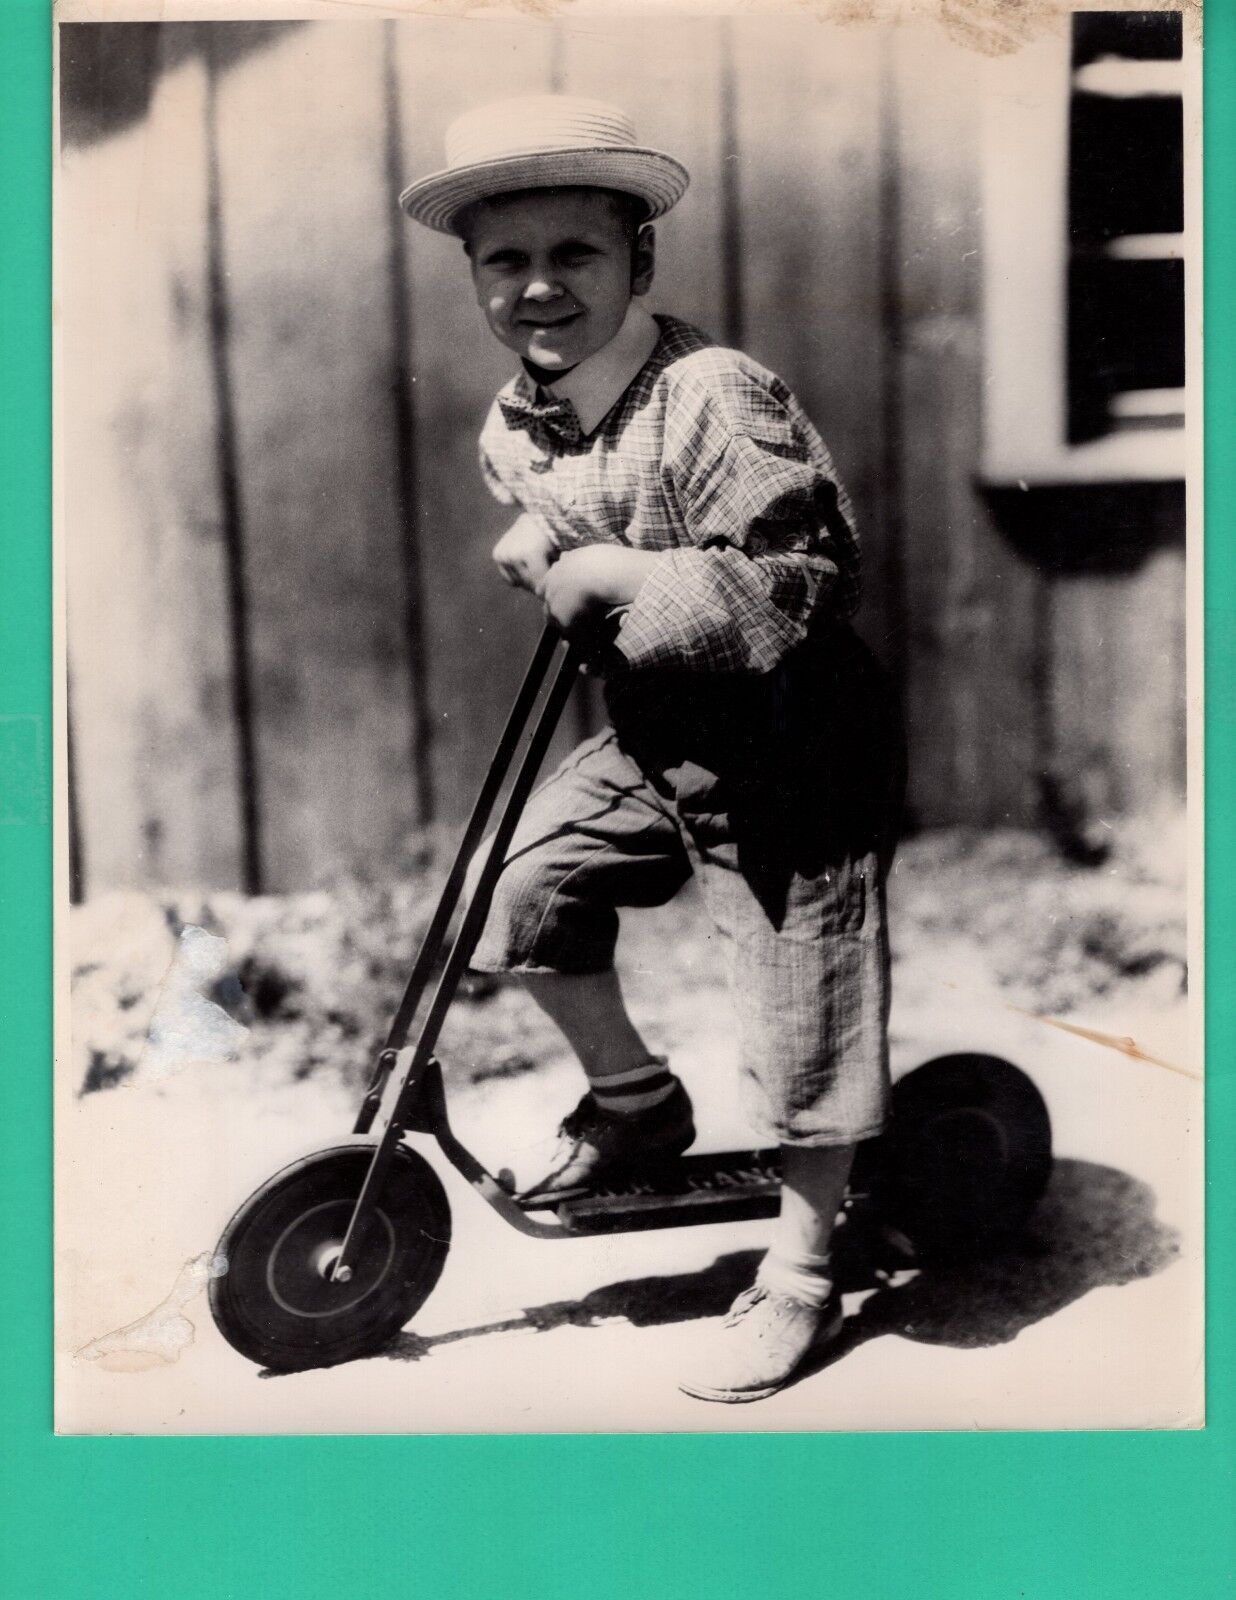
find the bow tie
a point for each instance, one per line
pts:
(554, 420)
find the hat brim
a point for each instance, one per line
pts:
(651, 175)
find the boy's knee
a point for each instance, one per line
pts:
(534, 923)
(517, 880)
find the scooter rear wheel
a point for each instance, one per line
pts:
(966, 1158)
(275, 1300)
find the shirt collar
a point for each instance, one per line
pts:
(595, 384)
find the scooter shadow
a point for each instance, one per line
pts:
(1095, 1226)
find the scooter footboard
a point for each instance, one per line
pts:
(727, 1186)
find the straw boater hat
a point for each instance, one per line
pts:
(542, 142)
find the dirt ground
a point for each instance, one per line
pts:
(214, 1037)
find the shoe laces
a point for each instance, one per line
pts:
(756, 1295)
(746, 1301)
(576, 1124)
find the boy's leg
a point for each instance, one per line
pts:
(594, 837)
(590, 1012)
(635, 1110)
(807, 951)
(813, 1182)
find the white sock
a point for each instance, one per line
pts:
(635, 1089)
(800, 1274)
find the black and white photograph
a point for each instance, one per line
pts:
(629, 717)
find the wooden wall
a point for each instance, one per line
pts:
(287, 647)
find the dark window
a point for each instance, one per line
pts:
(1135, 35)
(1125, 220)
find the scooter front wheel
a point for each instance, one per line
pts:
(274, 1298)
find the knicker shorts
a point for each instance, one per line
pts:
(804, 931)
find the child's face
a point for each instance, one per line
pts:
(554, 271)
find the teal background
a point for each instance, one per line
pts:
(1023, 1516)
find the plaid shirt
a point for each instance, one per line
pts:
(708, 457)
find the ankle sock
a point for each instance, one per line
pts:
(805, 1276)
(637, 1089)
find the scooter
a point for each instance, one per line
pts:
(334, 1254)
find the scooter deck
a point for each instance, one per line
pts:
(726, 1186)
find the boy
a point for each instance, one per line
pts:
(679, 490)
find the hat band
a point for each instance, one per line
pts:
(654, 177)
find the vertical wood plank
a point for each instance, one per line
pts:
(1080, 698)
(971, 648)
(809, 136)
(154, 747)
(479, 634)
(305, 236)
(666, 73)
(1117, 690)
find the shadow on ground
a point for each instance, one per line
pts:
(1095, 1226)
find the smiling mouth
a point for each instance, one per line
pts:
(560, 322)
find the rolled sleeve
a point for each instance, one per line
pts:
(744, 482)
(722, 611)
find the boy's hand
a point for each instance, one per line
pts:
(583, 585)
(525, 553)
